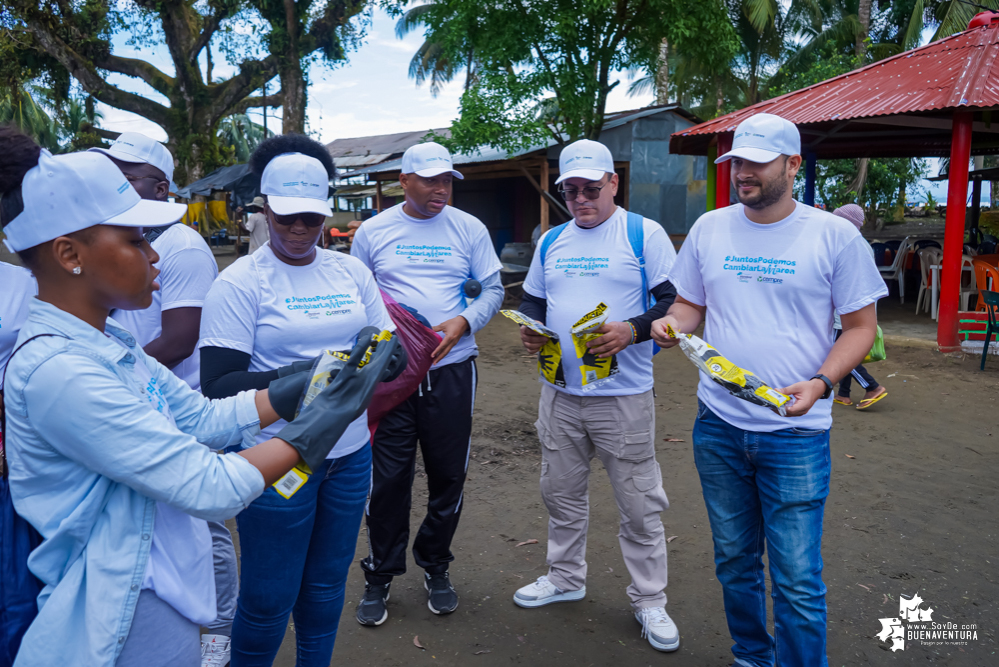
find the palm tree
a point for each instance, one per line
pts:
(19, 107)
(242, 135)
(430, 62)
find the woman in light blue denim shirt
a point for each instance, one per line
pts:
(102, 440)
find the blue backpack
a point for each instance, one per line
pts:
(636, 237)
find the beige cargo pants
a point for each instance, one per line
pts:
(620, 430)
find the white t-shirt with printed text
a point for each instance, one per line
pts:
(279, 314)
(17, 288)
(424, 263)
(187, 270)
(584, 267)
(770, 292)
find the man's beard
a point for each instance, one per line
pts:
(771, 192)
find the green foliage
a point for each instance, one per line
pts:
(535, 56)
(241, 135)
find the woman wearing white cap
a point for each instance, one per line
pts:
(283, 305)
(106, 448)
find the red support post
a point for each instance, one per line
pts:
(953, 247)
(723, 181)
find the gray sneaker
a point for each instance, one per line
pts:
(543, 592)
(373, 609)
(659, 628)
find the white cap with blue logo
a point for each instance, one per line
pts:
(763, 138)
(428, 160)
(585, 159)
(296, 183)
(67, 193)
(136, 147)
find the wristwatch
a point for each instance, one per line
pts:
(828, 383)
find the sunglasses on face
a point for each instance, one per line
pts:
(591, 192)
(311, 220)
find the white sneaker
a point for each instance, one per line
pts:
(659, 628)
(543, 592)
(214, 650)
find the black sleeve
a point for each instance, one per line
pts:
(224, 373)
(665, 295)
(534, 307)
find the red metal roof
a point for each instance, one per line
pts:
(960, 71)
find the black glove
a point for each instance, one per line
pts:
(321, 424)
(297, 367)
(286, 393)
(399, 358)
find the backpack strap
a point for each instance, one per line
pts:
(636, 237)
(549, 239)
(3, 413)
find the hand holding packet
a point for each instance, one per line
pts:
(738, 381)
(333, 401)
(550, 354)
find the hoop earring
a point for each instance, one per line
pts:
(77, 270)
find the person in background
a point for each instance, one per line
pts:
(168, 332)
(423, 252)
(613, 419)
(873, 392)
(765, 275)
(110, 454)
(282, 305)
(256, 225)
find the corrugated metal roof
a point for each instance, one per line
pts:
(379, 144)
(960, 71)
(495, 155)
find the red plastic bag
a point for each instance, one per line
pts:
(420, 341)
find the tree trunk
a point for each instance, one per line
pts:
(662, 74)
(864, 15)
(292, 78)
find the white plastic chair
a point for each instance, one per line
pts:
(971, 289)
(927, 258)
(897, 269)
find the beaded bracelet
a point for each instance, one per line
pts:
(634, 333)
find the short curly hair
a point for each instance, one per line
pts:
(290, 143)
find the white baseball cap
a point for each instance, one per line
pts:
(135, 147)
(585, 159)
(428, 160)
(66, 193)
(763, 138)
(296, 183)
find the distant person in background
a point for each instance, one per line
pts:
(256, 224)
(873, 391)
(168, 331)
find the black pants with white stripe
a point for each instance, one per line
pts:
(438, 416)
(860, 374)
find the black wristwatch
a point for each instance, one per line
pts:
(828, 383)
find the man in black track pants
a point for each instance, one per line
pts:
(423, 253)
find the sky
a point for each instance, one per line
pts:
(370, 94)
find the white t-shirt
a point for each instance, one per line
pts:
(17, 287)
(770, 292)
(187, 270)
(837, 324)
(425, 263)
(260, 233)
(279, 314)
(586, 266)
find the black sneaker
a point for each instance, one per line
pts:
(442, 597)
(373, 610)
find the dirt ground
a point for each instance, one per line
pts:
(912, 509)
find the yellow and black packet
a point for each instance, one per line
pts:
(592, 369)
(322, 374)
(738, 381)
(550, 354)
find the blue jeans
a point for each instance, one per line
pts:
(295, 556)
(767, 489)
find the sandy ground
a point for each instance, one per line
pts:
(911, 509)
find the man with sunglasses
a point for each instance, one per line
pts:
(168, 331)
(598, 258)
(423, 253)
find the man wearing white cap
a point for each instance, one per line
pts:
(257, 225)
(608, 256)
(168, 330)
(428, 256)
(766, 275)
